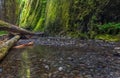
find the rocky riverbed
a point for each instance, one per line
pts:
(60, 57)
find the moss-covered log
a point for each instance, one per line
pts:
(4, 26)
(7, 45)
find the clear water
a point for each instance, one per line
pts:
(59, 62)
(35, 61)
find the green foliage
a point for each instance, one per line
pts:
(57, 16)
(109, 28)
(78, 35)
(107, 37)
(2, 33)
(109, 25)
(76, 18)
(63, 14)
(39, 26)
(31, 14)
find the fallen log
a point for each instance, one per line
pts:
(4, 48)
(4, 26)
(24, 45)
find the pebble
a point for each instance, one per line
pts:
(47, 67)
(60, 68)
(1, 70)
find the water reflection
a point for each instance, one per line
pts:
(56, 62)
(25, 65)
(41, 61)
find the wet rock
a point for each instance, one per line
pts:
(47, 67)
(1, 70)
(60, 68)
(56, 57)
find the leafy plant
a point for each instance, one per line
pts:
(109, 28)
(3, 32)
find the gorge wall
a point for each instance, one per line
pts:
(60, 17)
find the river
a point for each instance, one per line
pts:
(62, 58)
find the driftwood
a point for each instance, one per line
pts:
(24, 45)
(7, 45)
(4, 26)
(14, 30)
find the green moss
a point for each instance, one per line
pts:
(2, 23)
(31, 14)
(109, 27)
(25, 13)
(3, 32)
(3, 51)
(57, 16)
(39, 26)
(107, 37)
(77, 18)
(78, 35)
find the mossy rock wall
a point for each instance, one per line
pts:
(9, 10)
(61, 17)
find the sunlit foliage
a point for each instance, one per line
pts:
(76, 18)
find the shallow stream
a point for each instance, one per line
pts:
(69, 58)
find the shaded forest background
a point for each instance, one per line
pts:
(86, 19)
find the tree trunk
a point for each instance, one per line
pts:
(7, 45)
(4, 26)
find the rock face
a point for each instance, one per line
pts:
(60, 17)
(8, 10)
(63, 17)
